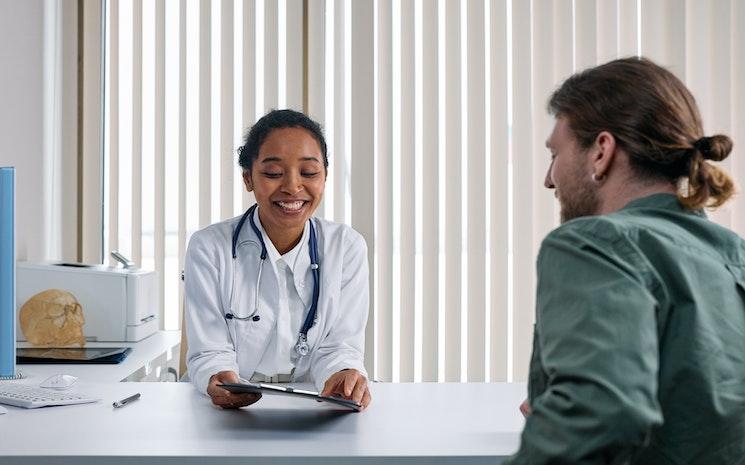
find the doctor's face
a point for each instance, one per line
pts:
(570, 174)
(288, 179)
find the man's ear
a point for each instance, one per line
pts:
(247, 180)
(603, 154)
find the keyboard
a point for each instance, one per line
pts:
(29, 396)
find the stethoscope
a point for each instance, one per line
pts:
(301, 346)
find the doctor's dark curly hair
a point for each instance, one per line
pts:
(278, 119)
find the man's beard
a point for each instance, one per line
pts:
(578, 199)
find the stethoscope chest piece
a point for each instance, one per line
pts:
(301, 346)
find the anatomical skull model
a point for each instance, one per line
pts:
(53, 318)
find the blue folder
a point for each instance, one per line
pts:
(7, 274)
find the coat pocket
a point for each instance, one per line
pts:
(250, 342)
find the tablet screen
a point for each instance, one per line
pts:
(72, 353)
(273, 389)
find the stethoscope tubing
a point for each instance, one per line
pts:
(310, 318)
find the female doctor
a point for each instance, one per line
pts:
(276, 295)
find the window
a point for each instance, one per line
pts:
(434, 115)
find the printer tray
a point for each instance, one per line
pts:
(96, 355)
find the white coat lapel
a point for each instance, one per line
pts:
(303, 277)
(253, 336)
(306, 293)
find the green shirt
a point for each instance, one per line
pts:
(639, 345)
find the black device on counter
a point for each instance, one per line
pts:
(94, 355)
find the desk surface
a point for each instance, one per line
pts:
(172, 423)
(142, 353)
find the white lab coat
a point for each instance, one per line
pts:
(336, 340)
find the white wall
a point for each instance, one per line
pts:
(26, 97)
(21, 115)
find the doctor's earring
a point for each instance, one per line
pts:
(597, 178)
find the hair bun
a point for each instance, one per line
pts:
(716, 147)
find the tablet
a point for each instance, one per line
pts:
(97, 355)
(273, 389)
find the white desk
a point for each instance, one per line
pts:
(172, 424)
(148, 356)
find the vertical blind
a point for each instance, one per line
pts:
(434, 113)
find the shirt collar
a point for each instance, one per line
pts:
(290, 258)
(662, 201)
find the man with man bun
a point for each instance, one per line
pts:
(639, 345)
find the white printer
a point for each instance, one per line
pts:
(119, 304)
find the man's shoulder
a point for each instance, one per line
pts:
(599, 228)
(652, 232)
(619, 238)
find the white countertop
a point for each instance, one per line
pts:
(142, 353)
(172, 423)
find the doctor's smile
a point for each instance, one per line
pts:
(291, 206)
(292, 209)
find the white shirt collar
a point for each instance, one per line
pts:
(290, 258)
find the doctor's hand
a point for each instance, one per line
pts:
(349, 384)
(227, 399)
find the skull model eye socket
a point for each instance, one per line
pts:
(76, 314)
(54, 311)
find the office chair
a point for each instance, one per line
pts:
(184, 346)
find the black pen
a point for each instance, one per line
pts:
(124, 402)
